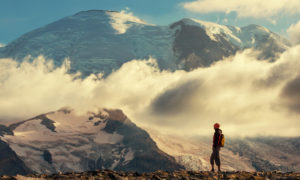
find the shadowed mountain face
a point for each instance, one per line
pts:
(100, 41)
(10, 163)
(62, 141)
(195, 48)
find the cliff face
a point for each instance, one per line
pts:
(10, 163)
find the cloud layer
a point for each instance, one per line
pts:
(247, 96)
(245, 8)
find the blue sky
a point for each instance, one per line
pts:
(20, 16)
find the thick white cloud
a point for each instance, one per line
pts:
(247, 96)
(2, 45)
(294, 33)
(245, 8)
(28, 89)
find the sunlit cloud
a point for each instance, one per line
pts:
(294, 33)
(2, 45)
(247, 96)
(245, 8)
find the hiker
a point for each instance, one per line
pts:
(218, 142)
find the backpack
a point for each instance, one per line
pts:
(222, 140)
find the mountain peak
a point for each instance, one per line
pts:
(93, 11)
(201, 23)
(257, 28)
(119, 20)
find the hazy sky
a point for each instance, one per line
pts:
(20, 16)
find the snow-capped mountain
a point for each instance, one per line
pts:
(64, 141)
(100, 41)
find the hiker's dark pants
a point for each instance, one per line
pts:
(215, 156)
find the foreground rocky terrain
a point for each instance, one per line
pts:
(109, 174)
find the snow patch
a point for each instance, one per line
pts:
(128, 156)
(103, 137)
(123, 20)
(73, 123)
(116, 162)
(192, 162)
(2, 45)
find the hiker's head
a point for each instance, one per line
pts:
(216, 126)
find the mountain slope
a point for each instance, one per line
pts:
(239, 154)
(269, 153)
(100, 41)
(63, 141)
